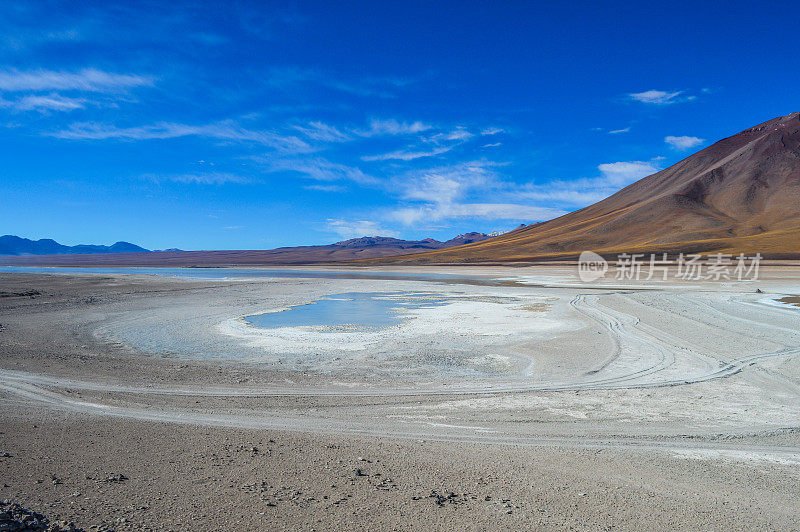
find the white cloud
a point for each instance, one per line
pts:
(582, 192)
(89, 80)
(656, 97)
(325, 188)
(490, 211)
(443, 142)
(578, 194)
(392, 127)
(293, 78)
(319, 169)
(619, 131)
(492, 131)
(322, 132)
(35, 82)
(50, 102)
(492, 145)
(626, 172)
(407, 155)
(226, 130)
(683, 143)
(458, 134)
(199, 179)
(456, 192)
(357, 228)
(446, 184)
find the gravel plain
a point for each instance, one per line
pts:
(527, 400)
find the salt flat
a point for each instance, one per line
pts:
(508, 362)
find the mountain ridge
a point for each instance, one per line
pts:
(16, 245)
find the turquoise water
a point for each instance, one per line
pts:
(359, 310)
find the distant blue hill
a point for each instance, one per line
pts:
(14, 245)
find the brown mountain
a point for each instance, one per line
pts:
(741, 194)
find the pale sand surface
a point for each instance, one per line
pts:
(644, 405)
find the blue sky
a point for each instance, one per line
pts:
(247, 125)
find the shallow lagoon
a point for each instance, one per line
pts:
(354, 310)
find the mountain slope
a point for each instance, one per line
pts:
(14, 245)
(742, 194)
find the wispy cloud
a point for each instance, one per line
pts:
(442, 142)
(492, 131)
(407, 155)
(619, 131)
(625, 172)
(445, 184)
(457, 191)
(214, 178)
(357, 228)
(292, 78)
(323, 132)
(50, 102)
(569, 193)
(459, 133)
(227, 130)
(392, 127)
(683, 143)
(660, 97)
(492, 145)
(89, 80)
(585, 191)
(319, 169)
(491, 211)
(325, 188)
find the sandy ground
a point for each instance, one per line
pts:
(540, 402)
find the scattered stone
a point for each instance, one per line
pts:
(386, 484)
(115, 479)
(449, 498)
(14, 517)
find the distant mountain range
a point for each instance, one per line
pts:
(22, 251)
(14, 245)
(366, 242)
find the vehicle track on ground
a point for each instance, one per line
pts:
(627, 331)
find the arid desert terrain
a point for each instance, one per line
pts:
(487, 398)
